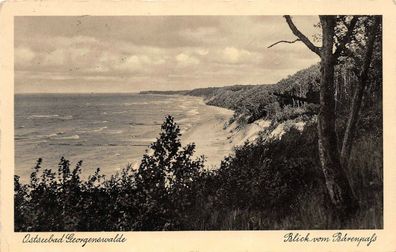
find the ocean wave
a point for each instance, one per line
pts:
(33, 138)
(150, 102)
(119, 112)
(99, 129)
(44, 136)
(163, 102)
(38, 137)
(42, 116)
(73, 137)
(135, 103)
(67, 117)
(88, 130)
(100, 122)
(37, 142)
(114, 131)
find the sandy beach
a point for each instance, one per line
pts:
(209, 135)
(213, 139)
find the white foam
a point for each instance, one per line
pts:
(73, 137)
(114, 131)
(69, 117)
(99, 129)
(135, 103)
(88, 130)
(44, 136)
(42, 116)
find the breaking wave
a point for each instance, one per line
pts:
(68, 117)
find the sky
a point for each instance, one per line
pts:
(135, 53)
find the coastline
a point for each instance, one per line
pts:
(209, 135)
(214, 138)
(205, 125)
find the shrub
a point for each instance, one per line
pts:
(165, 180)
(270, 176)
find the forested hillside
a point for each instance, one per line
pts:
(259, 101)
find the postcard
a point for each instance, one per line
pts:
(197, 126)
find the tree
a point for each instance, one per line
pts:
(165, 179)
(337, 181)
(362, 75)
(332, 161)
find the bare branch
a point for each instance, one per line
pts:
(284, 41)
(301, 36)
(347, 38)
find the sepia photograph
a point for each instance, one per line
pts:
(193, 123)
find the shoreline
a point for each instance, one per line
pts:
(215, 138)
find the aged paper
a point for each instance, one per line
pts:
(16, 12)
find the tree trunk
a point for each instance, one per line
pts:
(337, 182)
(358, 96)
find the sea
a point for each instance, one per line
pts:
(106, 131)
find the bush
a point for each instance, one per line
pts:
(165, 180)
(270, 176)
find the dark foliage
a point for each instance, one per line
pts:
(259, 178)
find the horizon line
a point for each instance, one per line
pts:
(137, 92)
